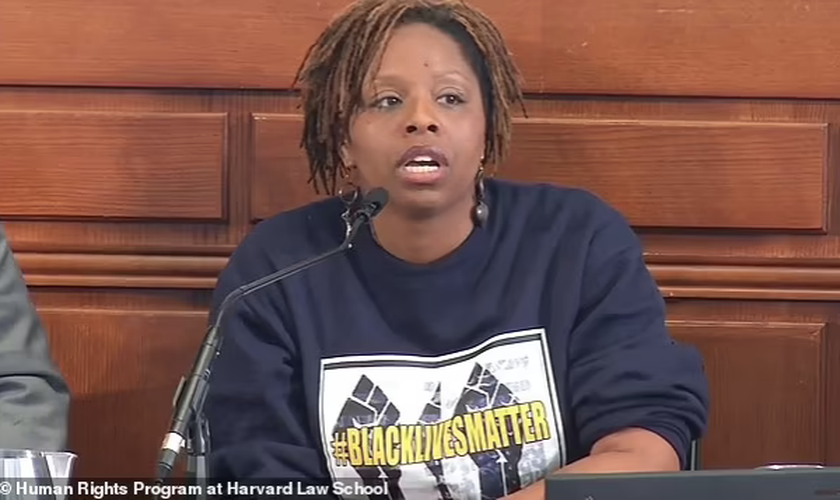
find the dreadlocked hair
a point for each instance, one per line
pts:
(335, 66)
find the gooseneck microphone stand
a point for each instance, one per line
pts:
(189, 425)
(198, 449)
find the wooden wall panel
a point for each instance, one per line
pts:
(658, 47)
(669, 174)
(173, 132)
(748, 281)
(764, 377)
(121, 271)
(280, 169)
(658, 173)
(113, 165)
(122, 367)
(168, 43)
(789, 363)
(759, 48)
(184, 43)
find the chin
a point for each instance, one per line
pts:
(420, 203)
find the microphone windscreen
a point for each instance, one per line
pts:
(376, 198)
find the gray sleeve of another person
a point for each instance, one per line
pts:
(34, 397)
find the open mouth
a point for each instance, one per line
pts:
(421, 164)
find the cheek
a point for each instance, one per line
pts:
(368, 157)
(359, 147)
(367, 133)
(474, 131)
(473, 140)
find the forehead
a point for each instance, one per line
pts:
(420, 48)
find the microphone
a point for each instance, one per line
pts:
(191, 392)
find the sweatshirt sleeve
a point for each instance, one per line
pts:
(625, 370)
(255, 405)
(34, 397)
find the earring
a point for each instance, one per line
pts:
(480, 211)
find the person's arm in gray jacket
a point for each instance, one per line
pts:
(34, 397)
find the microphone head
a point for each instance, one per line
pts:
(370, 206)
(375, 201)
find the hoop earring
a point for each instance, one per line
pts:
(349, 195)
(480, 211)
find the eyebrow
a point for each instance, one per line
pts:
(444, 75)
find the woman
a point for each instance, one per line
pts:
(480, 334)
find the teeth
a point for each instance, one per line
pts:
(420, 168)
(422, 159)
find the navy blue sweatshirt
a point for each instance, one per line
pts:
(474, 376)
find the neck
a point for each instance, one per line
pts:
(422, 241)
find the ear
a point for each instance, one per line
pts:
(346, 156)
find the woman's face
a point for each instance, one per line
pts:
(421, 129)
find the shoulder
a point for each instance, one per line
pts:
(9, 272)
(570, 211)
(5, 251)
(34, 415)
(285, 238)
(307, 224)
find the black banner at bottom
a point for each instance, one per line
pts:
(100, 489)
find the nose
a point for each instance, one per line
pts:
(421, 119)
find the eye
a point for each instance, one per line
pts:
(452, 99)
(386, 102)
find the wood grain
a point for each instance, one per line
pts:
(59, 164)
(765, 276)
(121, 271)
(166, 43)
(831, 376)
(763, 377)
(762, 282)
(280, 169)
(746, 255)
(123, 367)
(784, 312)
(122, 281)
(241, 106)
(187, 43)
(760, 48)
(750, 293)
(748, 282)
(680, 174)
(658, 173)
(81, 264)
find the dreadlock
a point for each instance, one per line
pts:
(335, 67)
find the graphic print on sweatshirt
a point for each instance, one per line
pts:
(479, 423)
